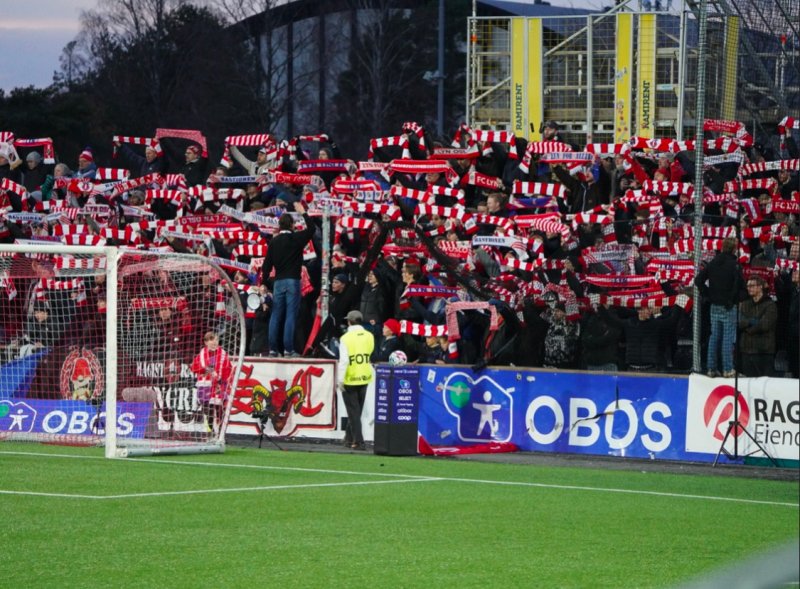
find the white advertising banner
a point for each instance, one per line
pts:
(302, 397)
(767, 408)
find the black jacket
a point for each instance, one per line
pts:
(387, 346)
(600, 338)
(33, 179)
(725, 281)
(285, 253)
(195, 172)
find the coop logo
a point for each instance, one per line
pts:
(81, 376)
(17, 417)
(482, 407)
(719, 409)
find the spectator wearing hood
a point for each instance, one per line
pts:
(35, 172)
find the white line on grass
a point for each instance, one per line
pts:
(220, 490)
(424, 478)
(63, 495)
(628, 491)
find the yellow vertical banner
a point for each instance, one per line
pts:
(623, 74)
(519, 57)
(535, 77)
(646, 75)
(728, 107)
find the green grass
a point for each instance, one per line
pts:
(390, 530)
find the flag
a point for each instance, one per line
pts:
(16, 376)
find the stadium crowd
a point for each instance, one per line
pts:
(487, 249)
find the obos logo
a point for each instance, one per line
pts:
(719, 408)
(481, 407)
(81, 376)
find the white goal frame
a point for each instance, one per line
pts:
(113, 254)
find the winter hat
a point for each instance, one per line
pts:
(86, 155)
(343, 278)
(392, 325)
(34, 156)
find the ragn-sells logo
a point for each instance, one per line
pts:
(81, 376)
(718, 411)
(17, 417)
(481, 407)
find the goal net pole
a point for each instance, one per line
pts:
(112, 315)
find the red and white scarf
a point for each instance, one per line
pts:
(187, 134)
(253, 140)
(146, 141)
(46, 143)
(396, 141)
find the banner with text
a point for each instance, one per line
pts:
(300, 397)
(657, 417)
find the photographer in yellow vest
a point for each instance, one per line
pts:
(354, 374)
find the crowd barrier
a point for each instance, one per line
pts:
(638, 416)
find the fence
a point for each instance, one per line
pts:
(605, 77)
(641, 70)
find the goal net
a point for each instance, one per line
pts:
(135, 350)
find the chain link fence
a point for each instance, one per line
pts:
(634, 72)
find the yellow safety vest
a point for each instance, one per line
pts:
(359, 344)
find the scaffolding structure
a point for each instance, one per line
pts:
(629, 72)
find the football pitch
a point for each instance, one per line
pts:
(263, 518)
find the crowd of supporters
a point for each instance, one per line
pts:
(487, 249)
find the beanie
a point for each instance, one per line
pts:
(86, 155)
(392, 325)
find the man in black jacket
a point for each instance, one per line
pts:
(285, 254)
(723, 291)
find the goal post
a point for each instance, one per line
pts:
(135, 350)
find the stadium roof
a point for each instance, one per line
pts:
(504, 8)
(283, 13)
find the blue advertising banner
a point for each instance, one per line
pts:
(568, 412)
(36, 416)
(16, 376)
(396, 394)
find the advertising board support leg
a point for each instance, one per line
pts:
(736, 428)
